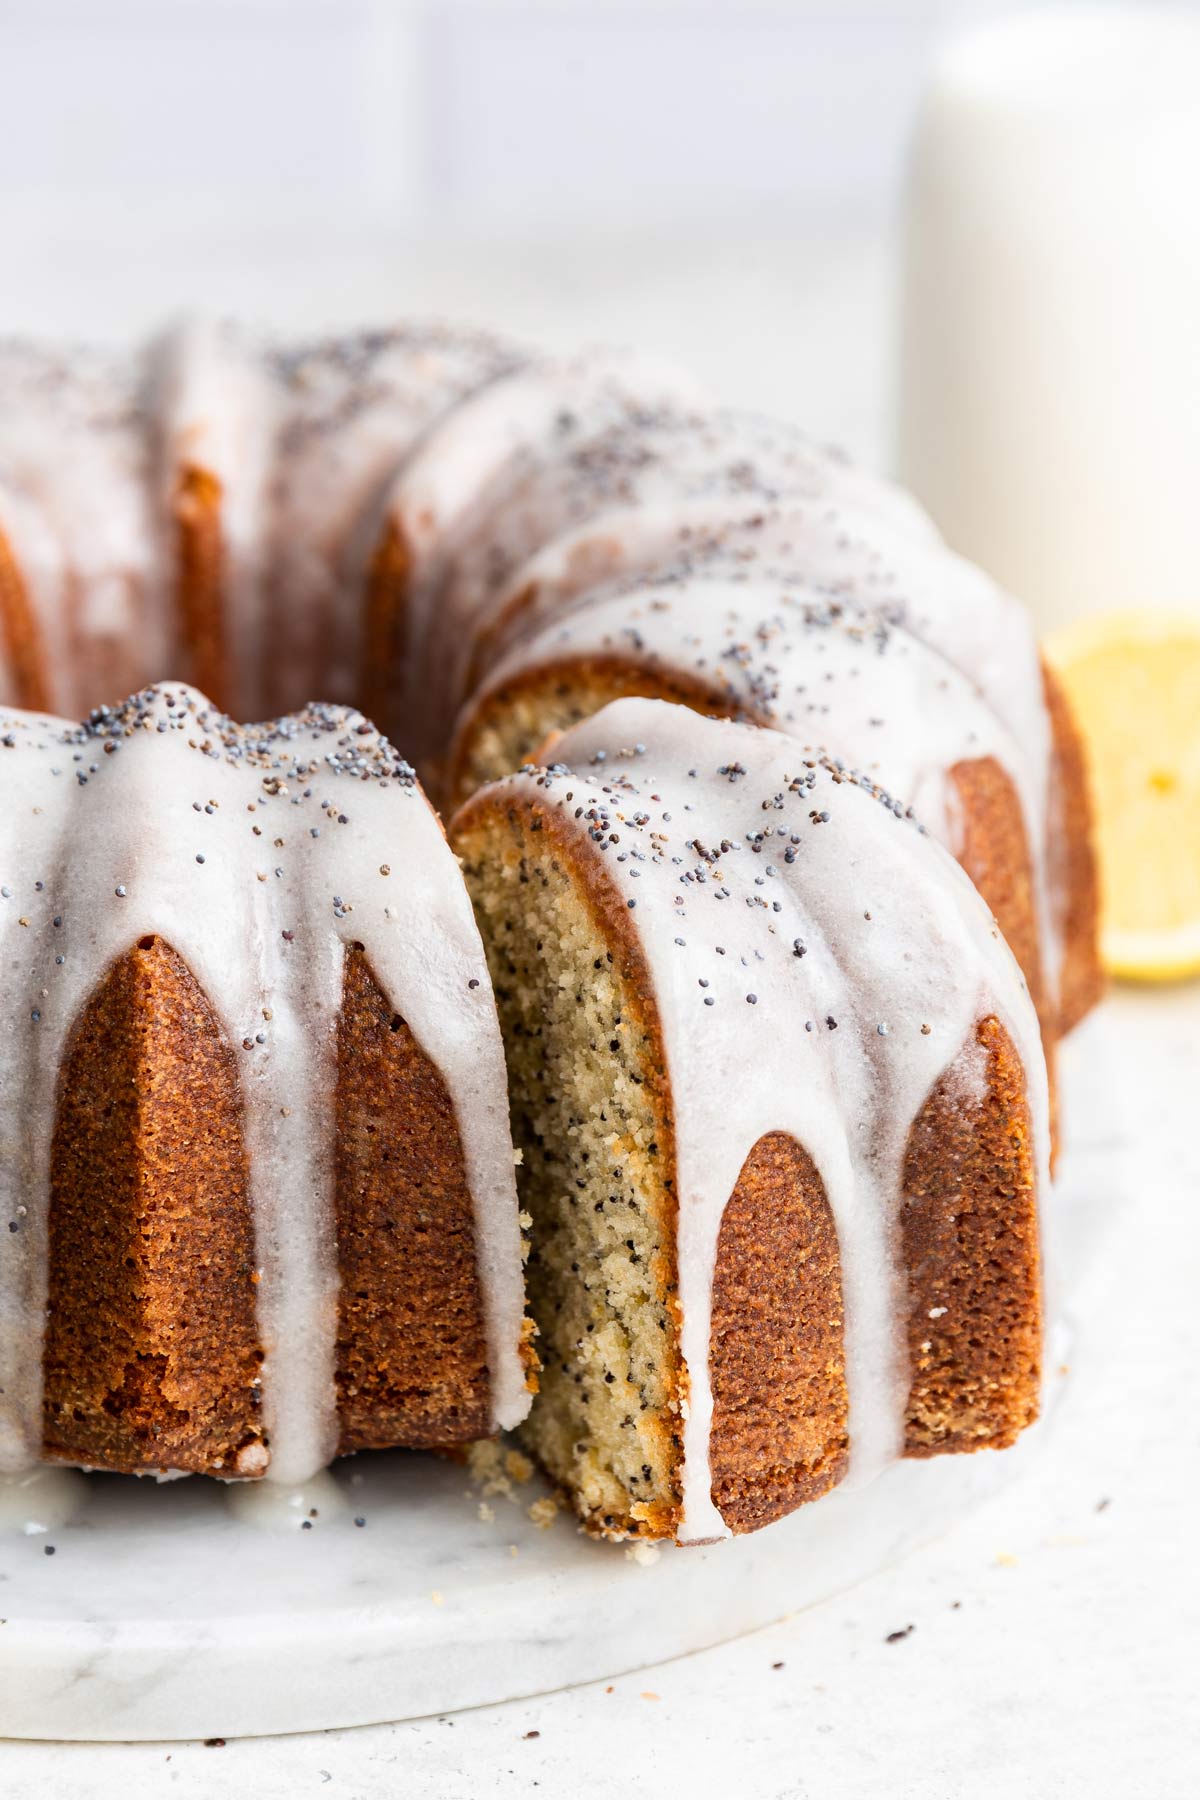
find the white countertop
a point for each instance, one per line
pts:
(1055, 1632)
(1053, 1649)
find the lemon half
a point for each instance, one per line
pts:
(1133, 680)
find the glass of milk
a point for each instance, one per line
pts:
(1049, 411)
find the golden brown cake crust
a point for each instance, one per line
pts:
(581, 685)
(385, 605)
(411, 1347)
(151, 1351)
(200, 580)
(776, 1358)
(1072, 871)
(20, 639)
(969, 1230)
(995, 852)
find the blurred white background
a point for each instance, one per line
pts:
(494, 116)
(717, 180)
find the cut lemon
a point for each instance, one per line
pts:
(1133, 680)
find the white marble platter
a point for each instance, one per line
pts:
(194, 1610)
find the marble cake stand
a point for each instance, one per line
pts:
(192, 1610)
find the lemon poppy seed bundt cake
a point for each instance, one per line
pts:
(257, 1174)
(843, 680)
(778, 1089)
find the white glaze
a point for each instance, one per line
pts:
(278, 1506)
(355, 408)
(832, 675)
(475, 482)
(37, 1500)
(305, 443)
(219, 412)
(223, 896)
(927, 954)
(873, 557)
(75, 505)
(859, 557)
(628, 476)
(667, 487)
(833, 679)
(499, 476)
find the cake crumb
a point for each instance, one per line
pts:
(252, 1459)
(895, 1637)
(645, 1555)
(487, 1514)
(438, 1597)
(495, 1468)
(1006, 1560)
(518, 1466)
(543, 1512)
(649, 1694)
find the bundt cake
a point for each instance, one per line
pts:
(257, 1172)
(778, 1090)
(203, 504)
(838, 679)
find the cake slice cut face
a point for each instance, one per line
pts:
(257, 1179)
(780, 1099)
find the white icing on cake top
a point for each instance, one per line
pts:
(161, 817)
(354, 409)
(863, 545)
(76, 507)
(835, 676)
(600, 456)
(219, 414)
(472, 501)
(818, 964)
(305, 442)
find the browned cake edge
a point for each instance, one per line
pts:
(200, 579)
(776, 1356)
(577, 687)
(151, 1352)
(971, 1249)
(411, 1343)
(995, 852)
(492, 634)
(1072, 861)
(20, 639)
(385, 619)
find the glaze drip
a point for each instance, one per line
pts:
(255, 852)
(817, 955)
